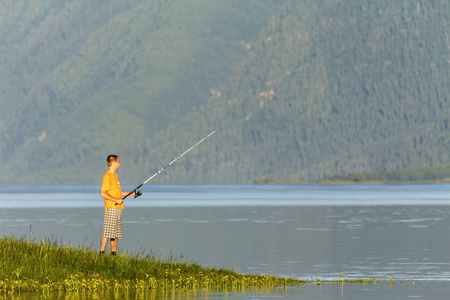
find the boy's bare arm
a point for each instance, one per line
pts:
(105, 195)
(126, 193)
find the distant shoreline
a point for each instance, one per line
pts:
(347, 182)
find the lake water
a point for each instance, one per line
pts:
(308, 232)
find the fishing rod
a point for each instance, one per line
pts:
(138, 193)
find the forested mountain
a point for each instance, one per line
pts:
(343, 86)
(81, 79)
(296, 90)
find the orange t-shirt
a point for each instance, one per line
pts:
(111, 185)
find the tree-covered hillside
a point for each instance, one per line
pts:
(337, 87)
(345, 86)
(81, 79)
(311, 89)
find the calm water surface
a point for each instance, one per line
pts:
(382, 232)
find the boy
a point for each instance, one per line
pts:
(112, 193)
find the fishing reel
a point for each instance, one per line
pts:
(137, 193)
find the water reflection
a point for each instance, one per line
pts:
(253, 293)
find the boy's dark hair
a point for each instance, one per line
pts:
(111, 158)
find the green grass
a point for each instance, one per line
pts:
(47, 266)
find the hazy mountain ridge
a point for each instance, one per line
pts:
(328, 87)
(38, 38)
(338, 87)
(349, 87)
(134, 74)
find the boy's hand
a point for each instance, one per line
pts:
(119, 201)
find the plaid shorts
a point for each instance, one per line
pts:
(112, 223)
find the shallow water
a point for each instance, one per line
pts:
(381, 232)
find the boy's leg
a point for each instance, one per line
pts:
(113, 243)
(103, 243)
(118, 231)
(106, 230)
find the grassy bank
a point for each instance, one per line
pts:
(29, 266)
(47, 266)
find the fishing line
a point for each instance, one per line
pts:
(138, 193)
